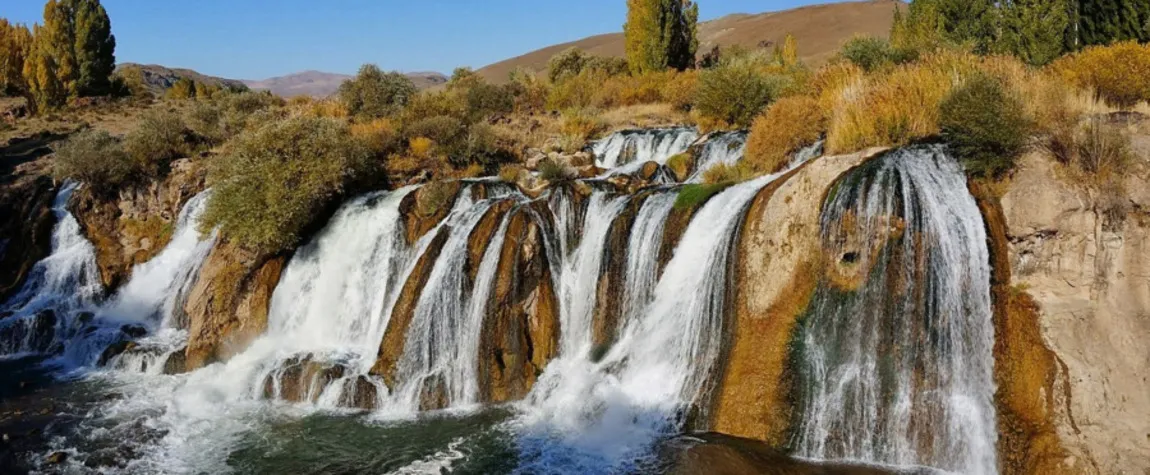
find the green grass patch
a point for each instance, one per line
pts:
(693, 195)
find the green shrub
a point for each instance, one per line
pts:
(555, 171)
(871, 53)
(159, 138)
(694, 195)
(985, 125)
(205, 119)
(96, 158)
(277, 180)
(734, 94)
(374, 93)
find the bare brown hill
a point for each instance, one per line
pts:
(321, 84)
(819, 29)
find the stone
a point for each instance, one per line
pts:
(56, 458)
(115, 349)
(134, 331)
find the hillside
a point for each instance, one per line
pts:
(819, 29)
(320, 84)
(160, 78)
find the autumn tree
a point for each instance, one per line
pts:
(45, 91)
(661, 34)
(15, 41)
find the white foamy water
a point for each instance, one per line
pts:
(626, 151)
(901, 371)
(720, 149)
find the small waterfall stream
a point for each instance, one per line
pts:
(579, 276)
(897, 354)
(626, 151)
(720, 149)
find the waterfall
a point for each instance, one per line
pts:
(157, 288)
(722, 148)
(626, 151)
(602, 416)
(442, 342)
(646, 239)
(896, 355)
(40, 314)
(579, 275)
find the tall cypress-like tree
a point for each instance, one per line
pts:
(95, 48)
(1033, 30)
(661, 34)
(1102, 22)
(41, 73)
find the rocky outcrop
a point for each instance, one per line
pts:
(228, 305)
(402, 313)
(521, 330)
(134, 225)
(1089, 276)
(777, 270)
(718, 454)
(26, 222)
(423, 209)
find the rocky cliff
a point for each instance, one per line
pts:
(1089, 275)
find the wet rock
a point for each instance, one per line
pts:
(649, 171)
(391, 348)
(84, 318)
(520, 333)
(227, 307)
(177, 363)
(423, 209)
(612, 276)
(360, 393)
(718, 454)
(433, 394)
(6, 314)
(134, 331)
(776, 272)
(26, 198)
(302, 379)
(56, 458)
(114, 350)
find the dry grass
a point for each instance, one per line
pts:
(420, 147)
(582, 123)
(788, 125)
(644, 115)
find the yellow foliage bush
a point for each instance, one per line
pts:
(510, 172)
(680, 90)
(420, 147)
(788, 125)
(725, 173)
(380, 135)
(895, 108)
(1118, 73)
(582, 124)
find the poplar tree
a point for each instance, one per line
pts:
(15, 41)
(77, 37)
(45, 91)
(661, 34)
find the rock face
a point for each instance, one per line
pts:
(136, 224)
(1090, 280)
(521, 330)
(777, 269)
(228, 306)
(25, 228)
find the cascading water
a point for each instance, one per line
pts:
(896, 354)
(599, 416)
(579, 275)
(442, 343)
(642, 272)
(65, 282)
(720, 149)
(626, 151)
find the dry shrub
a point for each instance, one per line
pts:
(309, 106)
(896, 108)
(1049, 102)
(727, 173)
(644, 116)
(1118, 73)
(379, 135)
(404, 164)
(556, 171)
(625, 90)
(582, 123)
(788, 125)
(473, 170)
(681, 165)
(510, 172)
(577, 92)
(680, 90)
(420, 147)
(831, 81)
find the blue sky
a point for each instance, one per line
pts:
(256, 39)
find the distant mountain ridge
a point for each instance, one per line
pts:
(159, 78)
(820, 30)
(321, 84)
